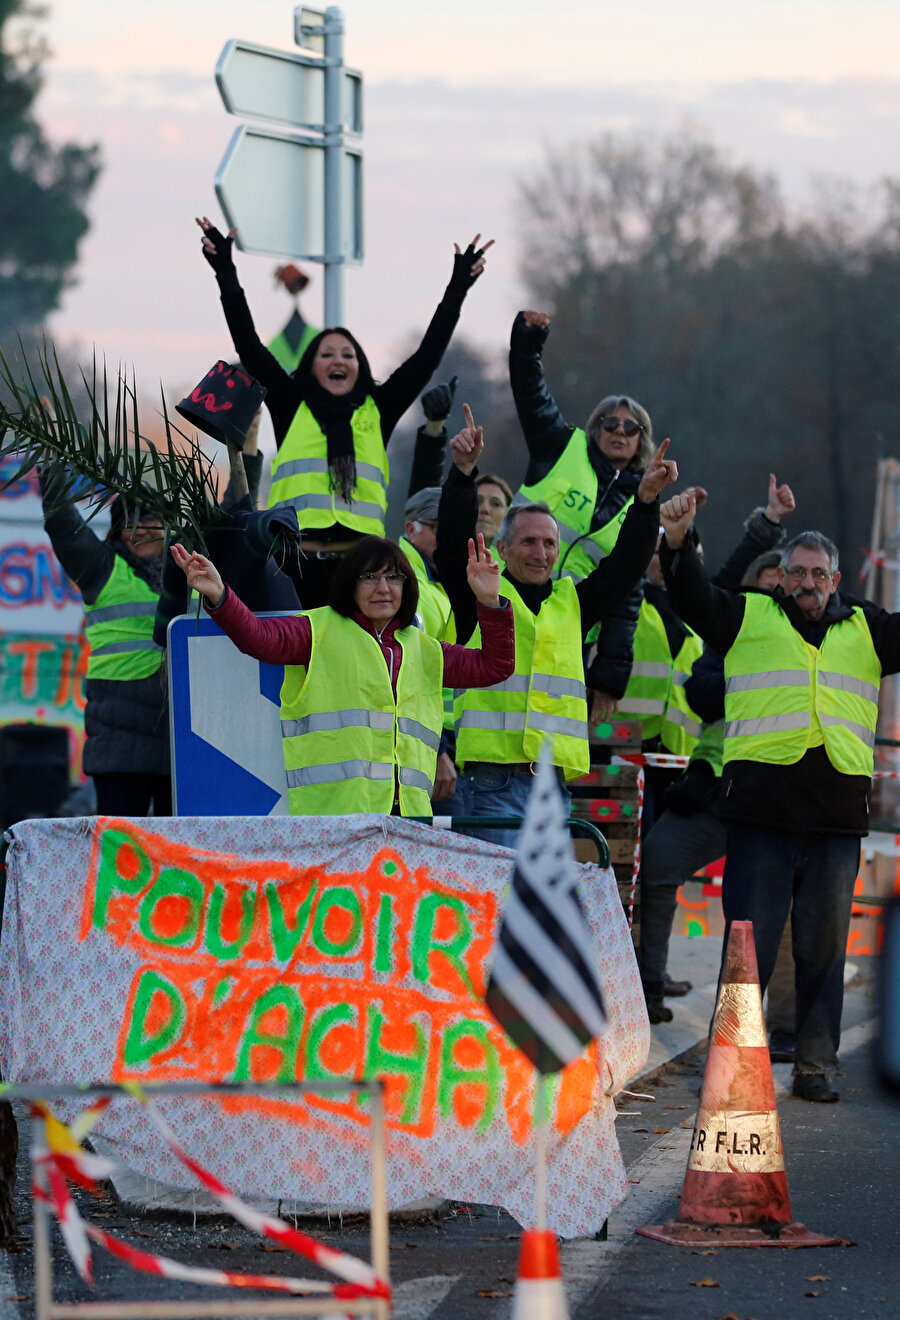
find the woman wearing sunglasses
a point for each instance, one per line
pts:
(588, 477)
(361, 704)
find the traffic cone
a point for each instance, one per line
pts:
(735, 1191)
(538, 1294)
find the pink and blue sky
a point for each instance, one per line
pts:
(461, 100)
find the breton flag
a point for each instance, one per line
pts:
(543, 987)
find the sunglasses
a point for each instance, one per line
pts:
(613, 424)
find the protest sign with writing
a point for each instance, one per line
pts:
(262, 949)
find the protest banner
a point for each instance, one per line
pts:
(267, 949)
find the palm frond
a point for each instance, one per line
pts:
(41, 425)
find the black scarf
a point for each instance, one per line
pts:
(333, 413)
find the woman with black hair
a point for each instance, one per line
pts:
(332, 422)
(361, 703)
(125, 718)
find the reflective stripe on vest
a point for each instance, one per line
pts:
(647, 692)
(119, 627)
(300, 475)
(774, 714)
(570, 491)
(544, 697)
(342, 759)
(681, 726)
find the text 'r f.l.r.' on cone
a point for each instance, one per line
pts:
(735, 1191)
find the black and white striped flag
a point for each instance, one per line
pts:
(543, 987)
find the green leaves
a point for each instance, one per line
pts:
(43, 426)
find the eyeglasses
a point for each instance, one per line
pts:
(392, 579)
(613, 423)
(797, 574)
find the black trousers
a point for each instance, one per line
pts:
(133, 795)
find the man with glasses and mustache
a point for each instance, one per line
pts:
(803, 665)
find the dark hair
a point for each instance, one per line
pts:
(491, 478)
(365, 380)
(370, 554)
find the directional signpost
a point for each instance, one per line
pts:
(288, 193)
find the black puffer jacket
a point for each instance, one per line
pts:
(127, 723)
(546, 434)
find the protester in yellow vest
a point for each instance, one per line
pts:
(802, 670)
(500, 732)
(332, 422)
(125, 719)
(588, 477)
(361, 707)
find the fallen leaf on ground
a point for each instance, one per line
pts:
(404, 1246)
(19, 1297)
(708, 1251)
(704, 1283)
(810, 1293)
(818, 1278)
(642, 1129)
(674, 1106)
(491, 1292)
(845, 1242)
(661, 1131)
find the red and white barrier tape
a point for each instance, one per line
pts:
(66, 1160)
(637, 850)
(663, 760)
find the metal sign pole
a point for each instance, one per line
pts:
(334, 166)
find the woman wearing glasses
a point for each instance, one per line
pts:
(588, 478)
(361, 703)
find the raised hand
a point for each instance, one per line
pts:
(483, 573)
(216, 247)
(466, 447)
(539, 319)
(781, 500)
(661, 472)
(468, 265)
(201, 573)
(676, 516)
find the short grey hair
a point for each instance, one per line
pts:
(507, 528)
(811, 541)
(606, 407)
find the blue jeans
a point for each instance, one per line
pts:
(765, 872)
(488, 789)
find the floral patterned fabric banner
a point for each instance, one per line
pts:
(261, 949)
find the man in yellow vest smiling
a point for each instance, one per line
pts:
(803, 666)
(500, 730)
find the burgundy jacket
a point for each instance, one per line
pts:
(288, 641)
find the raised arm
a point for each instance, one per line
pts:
(713, 613)
(85, 558)
(457, 516)
(545, 429)
(217, 248)
(403, 386)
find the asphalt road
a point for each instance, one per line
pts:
(844, 1176)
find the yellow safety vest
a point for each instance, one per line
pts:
(544, 697)
(300, 474)
(681, 726)
(783, 696)
(570, 490)
(346, 739)
(435, 616)
(119, 627)
(647, 692)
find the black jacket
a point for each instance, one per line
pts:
(810, 795)
(126, 723)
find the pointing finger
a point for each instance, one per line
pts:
(470, 420)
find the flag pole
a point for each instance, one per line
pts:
(540, 1140)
